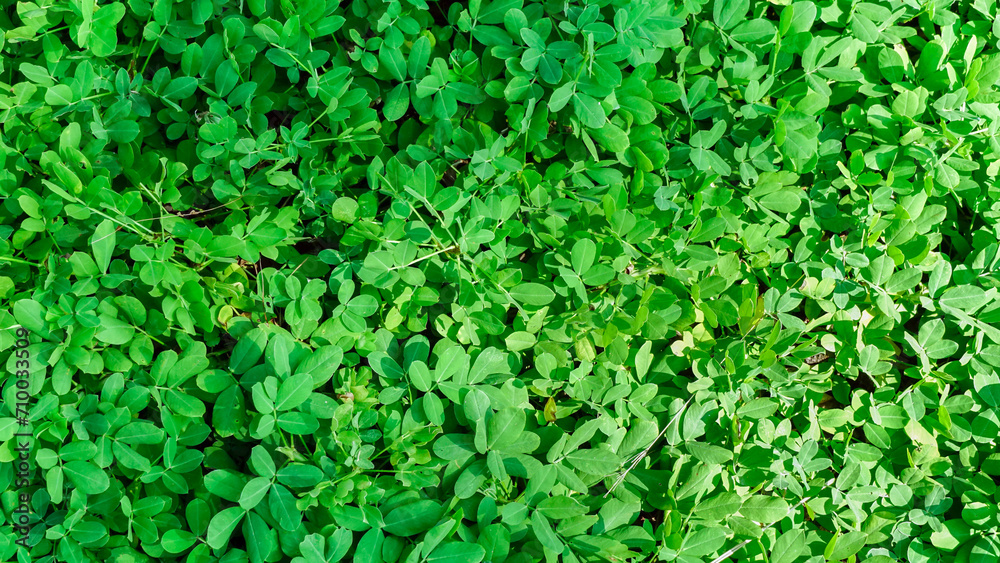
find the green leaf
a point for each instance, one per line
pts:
(728, 13)
(864, 29)
(180, 88)
(788, 546)
(505, 428)
(222, 526)
(720, 507)
(520, 340)
(903, 280)
(393, 61)
(611, 137)
(589, 111)
(369, 549)
(227, 76)
(561, 96)
(225, 246)
(87, 477)
(260, 539)
(363, 305)
(294, 391)
(754, 31)
(114, 331)
(534, 294)
(103, 38)
(758, 408)
(643, 359)
(907, 104)
(140, 432)
(412, 519)
(953, 534)
(457, 552)
(396, 102)
(583, 255)
(493, 12)
(59, 95)
(123, 131)
(385, 365)
(283, 508)
(248, 351)
(561, 507)
(965, 297)
(102, 244)
(30, 315)
(764, 509)
(254, 492)
(594, 461)
(782, 201)
(87, 8)
(847, 545)
(704, 542)
(985, 549)
(543, 531)
(177, 541)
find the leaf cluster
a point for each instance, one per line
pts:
(504, 280)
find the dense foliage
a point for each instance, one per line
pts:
(505, 280)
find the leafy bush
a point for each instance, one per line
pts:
(500, 281)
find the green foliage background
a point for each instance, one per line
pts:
(502, 280)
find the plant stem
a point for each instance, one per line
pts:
(19, 261)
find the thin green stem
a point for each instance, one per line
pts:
(151, 51)
(19, 261)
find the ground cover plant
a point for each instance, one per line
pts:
(501, 280)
